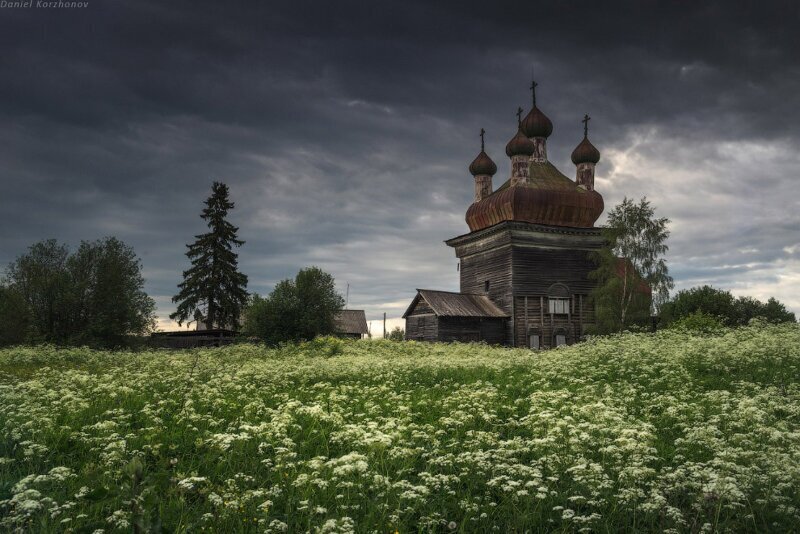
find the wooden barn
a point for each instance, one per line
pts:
(351, 324)
(446, 316)
(190, 339)
(527, 252)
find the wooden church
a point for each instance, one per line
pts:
(525, 263)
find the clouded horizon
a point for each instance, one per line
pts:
(345, 129)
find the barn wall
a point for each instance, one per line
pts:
(469, 329)
(494, 331)
(422, 328)
(422, 308)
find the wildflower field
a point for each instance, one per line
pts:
(665, 432)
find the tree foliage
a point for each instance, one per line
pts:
(632, 275)
(213, 290)
(397, 334)
(94, 296)
(296, 310)
(699, 321)
(724, 307)
(107, 291)
(40, 276)
(14, 318)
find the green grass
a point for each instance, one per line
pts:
(628, 433)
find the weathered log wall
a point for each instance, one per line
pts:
(532, 317)
(422, 327)
(522, 261)
(468, 329)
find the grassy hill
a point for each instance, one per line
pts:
(666, 432)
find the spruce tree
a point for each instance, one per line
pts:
(213, 290)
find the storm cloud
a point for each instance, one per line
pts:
(344, 130)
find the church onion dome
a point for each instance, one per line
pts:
(483, 164)
(585, 152)
(550, 198)
(536, 124)
(520, 145)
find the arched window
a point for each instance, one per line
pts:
(558, 300)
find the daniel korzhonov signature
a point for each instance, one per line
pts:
(42, 4)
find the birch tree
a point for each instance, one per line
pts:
(632, 274)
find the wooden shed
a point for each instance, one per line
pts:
(190, 339)
(446, 316)
(351, 324)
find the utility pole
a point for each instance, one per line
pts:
(384, 325)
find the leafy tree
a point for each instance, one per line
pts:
(775, 312)
(14, 317)
(398, 334)
(107, 295)
(213, 290)
(742, 310)
(256, 317)
(94, 296)
(40, 277)
(296, 310)
(699, 322)
(722, 305)
(706, 299)
(632, 275)
(319, 302)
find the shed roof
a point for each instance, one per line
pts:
(351, 322)
(449, 304)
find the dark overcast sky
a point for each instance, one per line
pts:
(344, 129)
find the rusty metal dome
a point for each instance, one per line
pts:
(536, 124)
(549, 198)
(520, 145)
(585, 152)
(482, 164)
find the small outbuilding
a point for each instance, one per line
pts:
(446, 316)
(190, 339)
(351, 324)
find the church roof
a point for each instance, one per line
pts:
(548, 197)
(449, 304)
(545, 176)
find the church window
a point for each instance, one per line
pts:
(533, 341)
(558, 305)
(486, 286)
(561, 339)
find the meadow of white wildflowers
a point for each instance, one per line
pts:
(666, 432)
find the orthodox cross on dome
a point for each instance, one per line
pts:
(482, 132)
(519, 115)
(585, 121)
(533, 90)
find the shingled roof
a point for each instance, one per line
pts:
(351, 322)
(448, 304)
